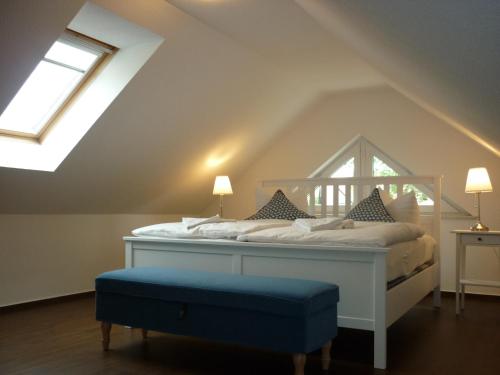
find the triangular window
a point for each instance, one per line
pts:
(380, 168)
(361, 158)
(345, 170)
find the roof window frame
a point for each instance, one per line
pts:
(82, 42)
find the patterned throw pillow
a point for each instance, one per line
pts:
(370, 209)
(279, 207)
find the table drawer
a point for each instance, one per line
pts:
(481, 239)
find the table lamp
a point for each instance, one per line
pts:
(222, 186)
(478, 182)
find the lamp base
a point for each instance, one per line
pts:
(479, 227)
(220, 205)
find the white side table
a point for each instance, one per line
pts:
(471, 238)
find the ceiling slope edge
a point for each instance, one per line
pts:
(328, 16)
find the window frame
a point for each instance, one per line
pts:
(363, 151)
(82, 42)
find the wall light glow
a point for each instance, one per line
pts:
(221, 154)
(213, 161)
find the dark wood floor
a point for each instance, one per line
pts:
(63, 338)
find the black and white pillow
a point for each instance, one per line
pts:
(279, 207)
(370, 209)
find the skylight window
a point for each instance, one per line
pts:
(56, 78)
(43, 144)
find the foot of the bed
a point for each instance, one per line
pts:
(325, 355)
(144, 334)
(380, 363)
(299, 362)
(436, 296)
(105, 329)
(380, 349)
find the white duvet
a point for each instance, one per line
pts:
(409, 247)
(404, 257)
(371, 234)
(219, 230)
(282, 231)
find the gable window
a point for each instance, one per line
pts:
(380, 168)
(361, 158)
(66, 66)
(346, 169)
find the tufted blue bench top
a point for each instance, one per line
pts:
(280, 296)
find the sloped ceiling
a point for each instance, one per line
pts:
(207, 102)
(443, 54)
(282, 33)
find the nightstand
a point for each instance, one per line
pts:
(471, 238)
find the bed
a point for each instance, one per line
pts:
(370, 299)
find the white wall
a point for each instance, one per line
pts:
(407, 133)
(43, 256)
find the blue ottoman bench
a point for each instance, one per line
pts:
(286, 315)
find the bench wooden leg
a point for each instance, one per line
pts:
(144, 334)
(325, 355)
(105, 329)
(299, 362)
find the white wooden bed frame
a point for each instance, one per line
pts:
(365, 302)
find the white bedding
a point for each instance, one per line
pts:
(409, 247)
(192, 222)
(404, 257)
(369, 234)
(325, 223)
(220, 230)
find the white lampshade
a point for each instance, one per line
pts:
(222, 186)
(478, 181)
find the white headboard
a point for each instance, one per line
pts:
(344, 193)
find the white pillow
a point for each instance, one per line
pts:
(404, 208)
(385, 196)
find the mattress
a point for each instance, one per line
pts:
(405, 257)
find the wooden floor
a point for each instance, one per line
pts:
(63, 338)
